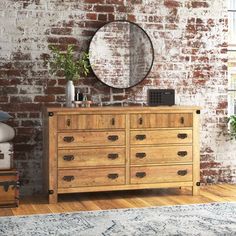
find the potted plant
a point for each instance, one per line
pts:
(73, 68)
(232, 130)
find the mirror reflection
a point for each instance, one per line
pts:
(121, 54)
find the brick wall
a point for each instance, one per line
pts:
(189, 39)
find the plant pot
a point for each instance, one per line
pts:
(70, 93)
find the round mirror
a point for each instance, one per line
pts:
(121, 54)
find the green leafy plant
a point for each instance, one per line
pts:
(232, 122)
(72, 67)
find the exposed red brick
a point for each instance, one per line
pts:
(49, 98)
(117, 2)
(61, 31)
(94, 1)
(102, 17)
(197, 4)
(103, 8)
(91, 16)
(55, 90)
(171, 3)
(68, 40)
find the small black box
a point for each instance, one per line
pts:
(161, 97)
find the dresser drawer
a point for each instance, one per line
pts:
(70, 122)
(93, 138)
(161, 174)
(148, 121)
(177, 120)
(156, 155)
(157, 120)
(90, 177)
(91, 157)
(161, 137)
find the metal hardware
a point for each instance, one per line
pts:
(182, 120)
(140, 155)
(198, 183)
(113, 121)
(182, 172)
(50, 192)
(68, 178)
(68, 139)
(182, 153)
(112, 156)
(7, 184)
(112, 176)
(68, 122)
(1, 156)
(141, 174)
(68, 158)
(140, 136)
(198, 111)
(113, 137)
(182, 136)
(50, 113)
(140, 120)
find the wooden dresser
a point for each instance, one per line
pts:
(118, 148)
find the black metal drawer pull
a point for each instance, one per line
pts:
(141, 155)
(182, 136)
(68, 122)
(113, 121)
(182, 120)
(68, 178)
(182, 153)
(68, 158)
(112, 156)
(112, 176)
(140, 120)
(68, 139)
(140, 136)
(113, 137)
(141, 174)
(182, 172)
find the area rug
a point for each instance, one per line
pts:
(199, 219)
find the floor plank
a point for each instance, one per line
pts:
(122, 199)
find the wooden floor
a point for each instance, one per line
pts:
(123, 199)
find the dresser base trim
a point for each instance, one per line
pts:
(124, 187)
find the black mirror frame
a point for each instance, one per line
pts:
(152, 48)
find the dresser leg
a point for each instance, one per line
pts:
(195, 190)
(52, 198)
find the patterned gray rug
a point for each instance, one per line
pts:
(200, 219)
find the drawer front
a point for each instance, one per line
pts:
(148, 121)
(70, 122)
(91, 157)
(161, 120)
(90, 177)
(161, 174)
(157, 155)
(180, 120)
(82, 139)
(161, 137)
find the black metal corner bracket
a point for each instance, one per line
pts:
(50, 113)
(50, 191)
(198, 111)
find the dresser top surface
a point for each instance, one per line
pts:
(130, 109)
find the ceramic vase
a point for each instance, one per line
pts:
(70, 93)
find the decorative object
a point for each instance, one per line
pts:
(6, 156)
(4, 116)
(195, 220)
(126, 147)
(232, 123)
(161, 97)
(7, 133)
(72, 67)
(9, 190)
(121, 54)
